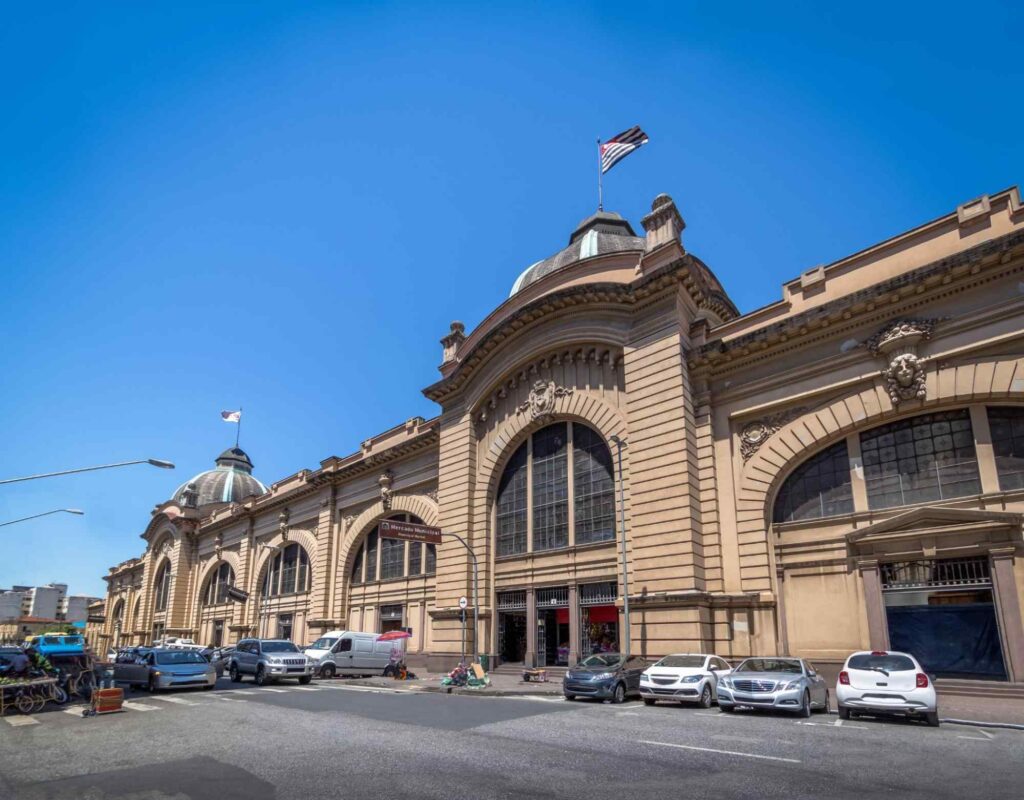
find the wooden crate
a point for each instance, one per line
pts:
(107, 701)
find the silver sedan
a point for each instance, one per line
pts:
(788, 684)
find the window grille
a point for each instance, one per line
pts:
(391, 613)
(511, 516)
(936, 574)
(431, 560)
(550, 488)
(819, 487)
(598, 594)
(925, 458)
(511, 601)
(593, 487)
(415, 558)
(553, 598)
(392, 558)
(371, 555)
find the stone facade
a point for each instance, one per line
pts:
(624, 387)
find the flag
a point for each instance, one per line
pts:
(618, 147)
(231, 416)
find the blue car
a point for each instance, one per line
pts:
(605, 676)
(58, 644)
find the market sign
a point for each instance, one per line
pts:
(236, 594)
(410, 531)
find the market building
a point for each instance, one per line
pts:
(840, 469)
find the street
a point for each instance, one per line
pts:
(332, 740)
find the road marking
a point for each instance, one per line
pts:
(973, 738)
(77, 711)
(131, 704)
(305, 688)
(836, 724)
(230, 699)
(178, 700)
(984, 732)
(239, 691)
(722, 752)
(17, 722)
(264, 689)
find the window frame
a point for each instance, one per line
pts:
(365, 572)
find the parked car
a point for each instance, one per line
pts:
(269, 660)
(606, 676)
(684, 678)
(48, 644)
(881, 682)
(163, 668)
(789, 684)
(350, 653)
(219, 657)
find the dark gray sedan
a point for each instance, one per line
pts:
(605, 676)
(788, 684)
(164, 668)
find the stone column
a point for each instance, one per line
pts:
(530, 659)
(574, 625)
(878, 625)
(1006, 596)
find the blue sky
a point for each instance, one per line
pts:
(284, 205)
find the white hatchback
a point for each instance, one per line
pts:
(684, 678)
(885, 682)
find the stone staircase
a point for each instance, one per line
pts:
(992, 689)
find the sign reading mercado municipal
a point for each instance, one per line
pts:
(410, 532)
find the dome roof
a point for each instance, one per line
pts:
(231, 481)
(602, 233)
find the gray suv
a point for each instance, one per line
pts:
(269, 660)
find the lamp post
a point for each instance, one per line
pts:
(44, 514)
(156, 462)
(619, 444)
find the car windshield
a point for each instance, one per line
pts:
(602, 660)
(890, 662)
(180, 657)
(324, 643)
(279, 647)
(681, 661)
(770, 665)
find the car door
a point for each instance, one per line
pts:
(819, 691)
(245, 659)
(634, 668)
(342, 654)
(720, 669)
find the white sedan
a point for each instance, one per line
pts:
(885, 682)
(684, 678)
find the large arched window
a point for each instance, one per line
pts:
(1007, 426)
(820, 487)
(118, 615)
(557, 490)
(162, 586)
(926, 458)
(392, 558)
(217, 587)
(287, 572)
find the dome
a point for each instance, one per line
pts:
(231, 481)
(602, 233)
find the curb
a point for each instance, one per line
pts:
(1013, 726)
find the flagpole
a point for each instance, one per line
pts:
(600, 178)
(238, 430)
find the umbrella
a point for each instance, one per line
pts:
(392, 636)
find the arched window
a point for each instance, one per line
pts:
(287, 572)
(392, 558)
(921, 459)
(217, 587)
(820, 487)
(162, 586)
(118, 614)
(558, 462)
(135, 614)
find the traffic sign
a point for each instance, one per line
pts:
(410, 531)
(463, 602)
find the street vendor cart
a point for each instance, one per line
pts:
(28, 695)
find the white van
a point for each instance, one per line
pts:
(351, 653)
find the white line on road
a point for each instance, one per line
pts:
(722, 752)
(229, 699)
(984, 732)
(131, 704)
(833, 725)
(75, 710)
(17, 722)
(304, 688)
(177, 700)
(264, 689)
(239, 691)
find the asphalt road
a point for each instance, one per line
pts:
(330, 740)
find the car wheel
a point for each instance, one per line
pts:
(234, 674)
(649, 701)
(705, 697)
(261, 676)
(570, 697)
(619, 694)
(208, 688)
(305, 679)
(728, 708)
(327, 671)
(805, 705)
(844, 712)
(824, 707)
(932, 718)
(152, 686)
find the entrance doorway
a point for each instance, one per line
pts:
(599, 619)
(511, 608)
(390, 618)
(553, 627)
(942, 612)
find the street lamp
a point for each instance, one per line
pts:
(619, 444)
(44, 514)
(156, 462)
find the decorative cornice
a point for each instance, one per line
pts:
(847, 311)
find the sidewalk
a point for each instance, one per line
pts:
(975, 709)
